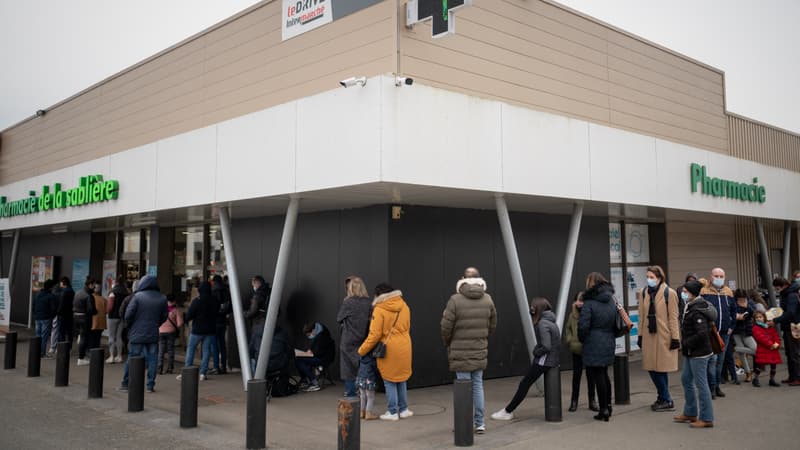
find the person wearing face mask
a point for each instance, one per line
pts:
(790, 303)
(576, 348)
(659, 334)
(698, 410)
(722, 299)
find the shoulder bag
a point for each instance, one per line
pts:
(380, 348)
(622, 323)
(717, 344)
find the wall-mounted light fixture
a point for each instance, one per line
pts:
(397, 212)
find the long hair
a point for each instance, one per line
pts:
(595, 278)
(538, 306)
(355, 287)
(658, 272)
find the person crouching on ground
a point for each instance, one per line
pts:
(391, 324)
(545, 354)
(768, 342)
(696, 348)
(321, 352)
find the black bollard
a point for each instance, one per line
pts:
(189, 390)
(10, 361)
(552, 395)
(34, 357)
(462, 413)
(62, 363)
(622, 380)
(96, 356)
(256, 431)
(136, 383)
(349, 423)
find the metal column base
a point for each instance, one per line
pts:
(622, 381)
(552, 395)
(349, 424)
(462, 413)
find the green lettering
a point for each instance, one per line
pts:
(762, 194)
(697, 175)
(716, 187)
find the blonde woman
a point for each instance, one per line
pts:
(353, 321)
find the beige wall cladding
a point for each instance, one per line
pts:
(235, 68)
(699, 242)
(747, 250)
(764, 144)
(537, 54)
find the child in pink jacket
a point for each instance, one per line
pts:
(167, 333)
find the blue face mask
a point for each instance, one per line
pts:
(685, 296)
(718, 282)
(652, 282)
(797, 280)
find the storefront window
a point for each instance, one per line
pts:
(216, 257)
(188, 258)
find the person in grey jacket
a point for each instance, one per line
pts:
(467, 322)
(596, 332)
(144, 314)
(545, 354)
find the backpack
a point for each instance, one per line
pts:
(284, 386)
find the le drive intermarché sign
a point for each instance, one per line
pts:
(91, 189)
(717, 187)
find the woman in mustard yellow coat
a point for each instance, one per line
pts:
(391, 323)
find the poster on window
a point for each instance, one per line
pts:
(5, 305)
(637, 243)
(41, 270)
(80, 270)
(634, 315)
(615, 243)
(618, 283)
(636, 279)
(109, 275)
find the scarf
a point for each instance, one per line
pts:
(651, 312)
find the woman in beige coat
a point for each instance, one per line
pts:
(659, 334)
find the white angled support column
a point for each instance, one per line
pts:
(569, 263)
(516, 273)
(766, 267)
(236, 296)
(277, 287)
(787, 247)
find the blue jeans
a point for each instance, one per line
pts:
(661, 380)
(716, 363)
(350, 388)
(396, 396)
(206, 343)
(150, 353)
(696, 389)
(305, 367)
(43, 333)
(476, 376)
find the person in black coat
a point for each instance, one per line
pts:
(64, 313)
(321, 352)
(203, 314)
(596, 331)
(219, 350)
(696, 348)
(546, 354)
(790, 303)
(83, 308)
(44, 310)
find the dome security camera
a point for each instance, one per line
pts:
(353, 81)
(399, 81)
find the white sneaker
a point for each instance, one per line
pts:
(110, 360)
(406, 414)
(389, 416)
(179, 377)
(118, 359)
(503, 415)
(202, 377)
(480, 429)
(83, 362)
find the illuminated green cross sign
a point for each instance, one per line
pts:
(440, 11)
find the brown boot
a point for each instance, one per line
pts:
(701, 424)
(748, 378)
(681, 418)
(371, 416)
(363, 413)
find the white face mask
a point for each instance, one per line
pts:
(718, 282)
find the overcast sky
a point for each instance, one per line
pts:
(51, 49)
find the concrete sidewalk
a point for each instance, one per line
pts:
(746, 418)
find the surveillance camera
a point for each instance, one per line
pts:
(40, 113)
(399, 81)
(353, 81)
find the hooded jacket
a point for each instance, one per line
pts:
(65, 299)
(146, 311)
(548, 341)
(696, 329)
(468, 320)
(203, 312)
(222, 295)
(83, 303)
(790, 303)
(257, 313)
(596, 326)
(389, 309)
(725, 304)
(765, 337)
(44, 305)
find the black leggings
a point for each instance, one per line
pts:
(599, 375)
(577, 369)
(525, 383)
(760, 368)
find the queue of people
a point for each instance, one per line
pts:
(703, 321)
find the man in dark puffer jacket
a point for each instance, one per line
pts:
(468, 320)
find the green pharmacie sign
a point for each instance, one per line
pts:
(91, 189)
(717, 187)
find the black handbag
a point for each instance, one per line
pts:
(380, 348)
